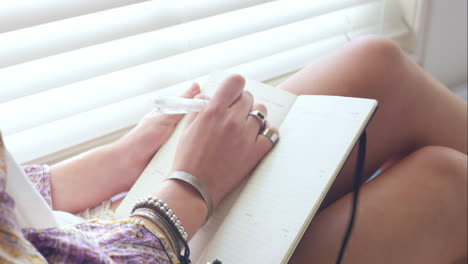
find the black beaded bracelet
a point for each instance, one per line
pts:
(162, 209)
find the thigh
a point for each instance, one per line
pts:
(414, 109)
(415, 212)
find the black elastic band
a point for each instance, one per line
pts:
(185, 259)
(357, 184)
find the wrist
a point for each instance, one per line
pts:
(196, 185)
(89, 178)
(186, 203)
(133, 153)
(126, 169)
(141, 143)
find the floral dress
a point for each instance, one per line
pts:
(126, 240)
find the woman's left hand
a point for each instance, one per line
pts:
(142, 142)
(88, 179)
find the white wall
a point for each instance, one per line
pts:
(445, 50)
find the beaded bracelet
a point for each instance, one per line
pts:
(161, 223)
(163, 209)
(159, 208)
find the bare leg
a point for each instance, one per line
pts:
(414, 109)
(415, 212)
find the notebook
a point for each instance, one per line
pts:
(263, 220)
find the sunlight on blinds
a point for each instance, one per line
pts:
(94, 72)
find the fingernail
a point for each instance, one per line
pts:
(194, 89)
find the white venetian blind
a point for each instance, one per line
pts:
(79, 70)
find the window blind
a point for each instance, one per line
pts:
(70, 80)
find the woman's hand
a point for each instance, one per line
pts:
(88, 179)
(142, 142)
(222, 144)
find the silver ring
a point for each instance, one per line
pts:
(271, 135)
(259, 116)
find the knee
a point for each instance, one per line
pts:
(448, 168)
(442, 159)
(442, 181)
(376, 47)
(376, 60)
(375, 55)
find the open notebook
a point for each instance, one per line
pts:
(263, 220)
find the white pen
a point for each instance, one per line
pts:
(177, 105)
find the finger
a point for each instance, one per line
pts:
(229, 90)
(191, 116)
(260, 107)
(166, 119)
(254, 122)
(193, 91)
(202, 96)
(263, 143)
(243, 104)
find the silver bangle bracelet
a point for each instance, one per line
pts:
(199, 186)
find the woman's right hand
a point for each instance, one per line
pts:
(222, 144)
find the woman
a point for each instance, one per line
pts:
(414, 212)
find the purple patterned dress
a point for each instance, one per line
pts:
(124, 241)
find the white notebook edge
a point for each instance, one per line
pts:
(31, 209)
(313, 212)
